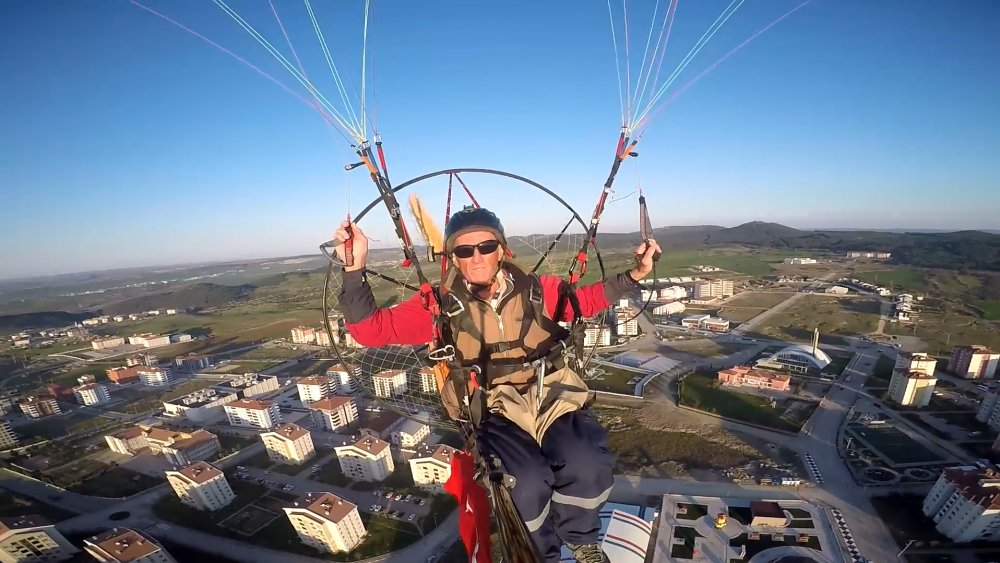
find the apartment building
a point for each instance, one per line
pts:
(124, 374)
(154, 377)
(91, 394)
(597, 336)
(428, 380)
(322, 337)
(965, 504)
(36, 406)
(367, 459)
(989, 410)
(713, 288)
(250, 413)
(912, 388)
(178, 447)
(289, 443)
(125, 545)
(147, 360)
(327, 522)
(303, 335)
(673, 308)
(249, 385)
(314, 388)
(107, 343)
(754, 377)
(973, 362)
(334, 413)
(149, 340)
(343, 382)
(201, 486)
(389, 383)
(410, 434)
(431, 466)
(32, 539)
(192, 362)
(200, 406)
(8, 439)
(916, 362)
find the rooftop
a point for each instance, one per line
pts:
(981, 486)
(194, 439)
(35, 399)
(382, 422)
(373, 446)
(251, 404)
(315, 380)
(439, 452)
(331, 403)
(338, 368)
(200, 472)
(327, 506)
(388, 374)
(8, 523)
(123, 544)
(290, 431)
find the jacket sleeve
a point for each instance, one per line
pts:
(407, 323)
(594, 298)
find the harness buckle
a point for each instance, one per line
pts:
(455, 306)
(445, 353)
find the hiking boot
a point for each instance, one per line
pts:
(588, 553)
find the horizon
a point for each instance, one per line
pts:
(133, 144)
(318, 254)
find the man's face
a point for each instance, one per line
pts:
(477, 268)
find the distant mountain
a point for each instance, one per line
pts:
(40, 320)
(196, 296)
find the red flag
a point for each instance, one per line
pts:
(473, 507)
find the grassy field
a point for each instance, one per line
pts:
(612, 379)
(897, 279)
(942, 326)
(639, 448)
(830, 314)
(702, 392)
(894, 444)
(748, 305)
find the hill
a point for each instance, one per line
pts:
(969, 250)
(40, 320)
(196, 296)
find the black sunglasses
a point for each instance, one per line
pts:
(485, 247)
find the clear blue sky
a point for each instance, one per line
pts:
(128, 142)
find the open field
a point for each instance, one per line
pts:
(705, 348)
(941, 326)
(746, 306)
(702, 392)
(612, 379)
(895, 445)
(831, 315)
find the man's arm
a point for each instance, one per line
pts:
(594, 298)
(405, 324)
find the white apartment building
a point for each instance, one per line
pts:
(91, 394)
(669, 308)
(303, 335)
(8, 439)
(289, 443)
(713, 288)
(178, 447)
(180, 337)
(249, 385)
(149, 340)
(410, 434)
(322, 337)
(800, 261)
(154, 377)
(428, 381)
(201, 406)
(628, 325)
(107, 343)
(431, 466)
(202, 486)
(37, 407)
(989, 410)
(911, 388)
(597, 336)
(125, 545)
(327, 522)
(368, 459)
(965, 504)
(334, 413)
(389, 383)
(671, 293)
(249, 413)
(32, 539)
(343, 382)
(918, 362)
(314, 388)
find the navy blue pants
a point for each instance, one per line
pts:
(560, 486)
